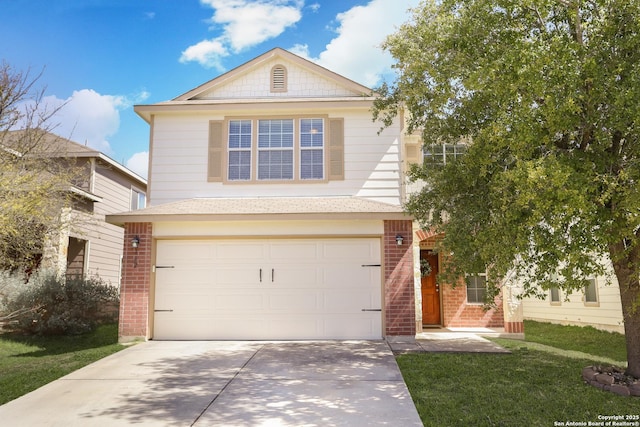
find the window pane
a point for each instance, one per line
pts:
(275, 133)
(555, 294)
(311, 164)
(240, 134)
(476, 288)
(239, 165)
(275, 149)
(275, 164)
(311, 132)
(590, 292)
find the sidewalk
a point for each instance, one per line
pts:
(455, 340)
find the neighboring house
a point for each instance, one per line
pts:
(87, 245)
(598, 305)
(274, 213)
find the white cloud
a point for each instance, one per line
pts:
(244, 24)
(88, 117)
(207, 52)
(355, 52)
(139, 163)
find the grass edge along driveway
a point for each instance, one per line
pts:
(539, 384)
(28, 362)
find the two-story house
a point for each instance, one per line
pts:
(86, 245)
(275, 212)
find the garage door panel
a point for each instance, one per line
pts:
(177, 251)
(225, 289)
(350, 301)
(345, 250)
(295, 302)
(240, 250)
(229, 302)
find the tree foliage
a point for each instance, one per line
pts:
(548, 93)
(34, 177)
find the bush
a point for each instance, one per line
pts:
(51, 305)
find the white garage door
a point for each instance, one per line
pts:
(268, 289)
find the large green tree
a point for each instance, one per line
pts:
(547, 92)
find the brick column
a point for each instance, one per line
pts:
(400, 312)
(135, 283)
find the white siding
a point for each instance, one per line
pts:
(607, 314)
(179, 157)
(256, 84)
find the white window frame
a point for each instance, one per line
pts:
(317, 129)
(475, 288)
(269, 150)
(140, 195)
(432, 153)
(592, 283)
(308, 135)
(240, 149)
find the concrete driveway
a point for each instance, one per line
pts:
(184, 383)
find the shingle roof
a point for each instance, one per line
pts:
(262, 208)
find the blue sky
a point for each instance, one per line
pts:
(102, 57)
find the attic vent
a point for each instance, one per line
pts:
(278, 79)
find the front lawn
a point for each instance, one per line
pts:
(536, 385)
(29, 362)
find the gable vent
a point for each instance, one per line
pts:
(278, 79)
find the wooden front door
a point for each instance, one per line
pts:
(430, 290)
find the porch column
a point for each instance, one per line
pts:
(400, 313)
(512, 309)
(136, 283)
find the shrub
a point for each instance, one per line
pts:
(52, 305)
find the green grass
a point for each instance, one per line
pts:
(536, 385)
(585, 339)
(29, 362)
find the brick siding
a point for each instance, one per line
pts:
(400, 315)
(135, 285)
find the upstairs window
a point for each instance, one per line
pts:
(275, 149)
(239, 147)
(286, 149)
(278, 79)
(438, 155)
(312, 149)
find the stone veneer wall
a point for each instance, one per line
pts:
(135, 285)
(399, 314)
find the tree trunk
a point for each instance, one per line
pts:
(625, 264)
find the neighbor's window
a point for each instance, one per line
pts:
(440, 154)
(138, 199)
(476, 288)
(591, 291)
(554, 293)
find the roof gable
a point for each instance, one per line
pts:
(252, 80)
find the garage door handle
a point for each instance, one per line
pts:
(272, 274)
(371, 265)
(260, 275)
(162, 311)
(371, 309)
